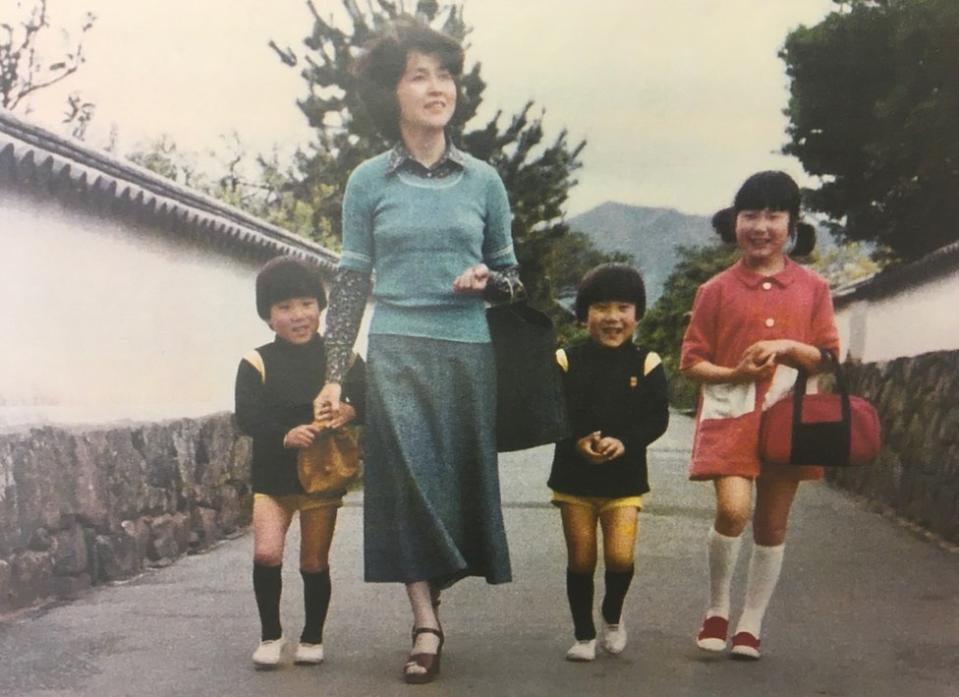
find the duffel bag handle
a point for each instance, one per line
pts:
(799, 391)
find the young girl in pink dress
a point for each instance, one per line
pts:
(752, 325)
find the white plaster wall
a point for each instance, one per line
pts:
(911, 322)
(107, 320)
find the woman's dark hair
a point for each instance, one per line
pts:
(282, 278)
(383, 62)
(775, 191)
(608, 282)
(724, 224)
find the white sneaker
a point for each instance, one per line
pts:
(584, 650)
(614, 638)
(308, 653)
(269, 653)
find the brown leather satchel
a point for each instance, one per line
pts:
(331, 463)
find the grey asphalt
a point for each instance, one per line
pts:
(865, 607)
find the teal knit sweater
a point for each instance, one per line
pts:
(417, 235)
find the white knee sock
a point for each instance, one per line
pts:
(722, 553)
(764, 567)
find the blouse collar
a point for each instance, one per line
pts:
(451, 160)
(751, 279)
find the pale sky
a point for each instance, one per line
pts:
(679, 100)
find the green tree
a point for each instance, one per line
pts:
(571, 256)
(537, 173)
(260, 185)
(873, 111)
(664, 324)
(845, 263)
(162, 156)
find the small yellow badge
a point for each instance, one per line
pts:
(633, 381)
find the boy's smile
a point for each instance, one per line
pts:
(611, 323)
(295, 320)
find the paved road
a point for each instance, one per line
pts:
(865, 608)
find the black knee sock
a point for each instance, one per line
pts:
(316, 601)
(267, 586)
(617, 583)
(579, 591)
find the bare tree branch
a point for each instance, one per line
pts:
(286, 55)
(23, 70)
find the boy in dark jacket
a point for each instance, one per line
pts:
(617, 400)
(275, 387)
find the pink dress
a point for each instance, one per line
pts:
(733, 310)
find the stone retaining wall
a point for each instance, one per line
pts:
(83, 507)
(917, 474)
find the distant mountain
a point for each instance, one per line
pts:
(650, 235)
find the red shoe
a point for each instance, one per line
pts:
(745, 645)
(712, 635)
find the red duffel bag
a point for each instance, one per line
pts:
(830, 430)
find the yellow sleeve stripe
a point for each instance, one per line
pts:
(256, 360)
(652, 360)
(562, 360)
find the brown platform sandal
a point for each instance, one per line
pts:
(430, 662)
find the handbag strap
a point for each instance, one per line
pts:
(845, 422)
(799, 391)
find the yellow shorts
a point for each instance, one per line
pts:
(301, 502)
(598, 503)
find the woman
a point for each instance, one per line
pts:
(434, 225)
(752, 325)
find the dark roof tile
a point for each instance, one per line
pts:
(896, 278)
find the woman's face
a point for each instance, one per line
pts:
(426, 93)
(762, 235)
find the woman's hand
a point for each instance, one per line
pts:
(347, 414)
(300, 437)
(326, 406)
(596, 449)
(472, 281)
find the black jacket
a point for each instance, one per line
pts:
(609, 390)
(268, 406)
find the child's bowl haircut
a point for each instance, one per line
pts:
(770, 190)
(610, 282)
(286, 277)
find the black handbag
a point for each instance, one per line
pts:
(530, 404)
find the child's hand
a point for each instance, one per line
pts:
(776, 349)
(347, 414)
(755, 365)
(300, 437)
(589, 448)
(611, 448)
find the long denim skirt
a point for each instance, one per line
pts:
(431, 486)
